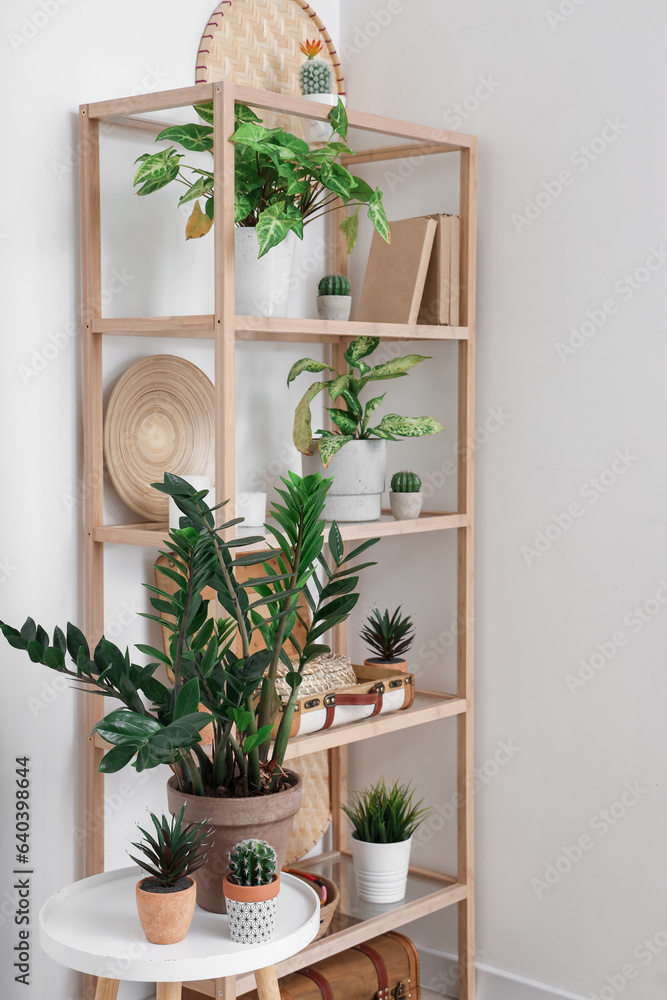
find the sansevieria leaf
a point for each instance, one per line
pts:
(409, 426)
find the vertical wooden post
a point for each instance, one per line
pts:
(225, 989)
(466, 429)
(225, 320)
(93, 477)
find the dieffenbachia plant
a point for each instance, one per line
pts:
(353, 420)
(216, 678)
(281, 184)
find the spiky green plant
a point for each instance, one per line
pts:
(177, 851)
(388, 637)
(315, 77)
(252, 862)
(406, 482)
(334, 284)
(381, 815)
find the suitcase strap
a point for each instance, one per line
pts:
(402, 991)
(374, 697)
(322, 984)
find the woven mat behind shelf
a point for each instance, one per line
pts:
(256, 43)
(312, 820)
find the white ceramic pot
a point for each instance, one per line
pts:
(381, 870)
(262, 284)
(359, 471)
(406, 506)
(318, 131)
(334, 306)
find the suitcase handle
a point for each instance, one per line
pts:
(374, 697)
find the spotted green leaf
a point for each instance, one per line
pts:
(330, 445)
(306, 365)
(409, 426)
(360, 347)
(303, 437)
(397, 366)
(343, 419)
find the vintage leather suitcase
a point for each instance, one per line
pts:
(385, 968)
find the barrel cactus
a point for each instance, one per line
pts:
(315, 77)
(252, 862)
(334, 284)
(406, 482)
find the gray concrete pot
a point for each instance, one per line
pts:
(262, 283)
(334, 307)
(359, 471)
(406, 506)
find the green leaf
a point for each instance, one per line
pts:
(360, 347)
(349, 227)
(200, 187)
(157, 170)
(409, 426)
(187, 701)
(303, 437)
(123, 726)
(273, 225)
(344, 419)
(117, 758)
(240, 717)
(242, 113)
(353, 401)
(255, 739)
(330, 445)
(252, 132)
(337, 385)
(372, 405)
(377, 215)
(397, 366)
(361, 190)
(306, 365)
(337, 179)
(194, 137)
(336, 543)
(205, 111)
(338, 118)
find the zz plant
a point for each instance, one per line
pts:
(160, 724)
(281, 184)
(353, 419)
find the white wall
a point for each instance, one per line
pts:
(548, 84)
(552, 88)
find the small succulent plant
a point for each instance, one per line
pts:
(252, 862)
(177, 850)
(315, 77)
(406, 482)
(381, 815)
(388, 637)
(334, 284)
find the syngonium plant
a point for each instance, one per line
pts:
(161, 724)
(281, 184)
(353, 420)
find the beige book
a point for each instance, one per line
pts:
(434, 309)
(395, 274)
(455, 269)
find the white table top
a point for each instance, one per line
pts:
(92, 926)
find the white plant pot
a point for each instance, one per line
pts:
(251, 923)
(359, 471)
(318, 131)
(334, 306)
(406, 506)
(262, 284)
(381, 870)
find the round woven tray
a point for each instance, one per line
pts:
(333, 898)
(256, 43)
(160, 418)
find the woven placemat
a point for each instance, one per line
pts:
(313, 818)
(256, 43)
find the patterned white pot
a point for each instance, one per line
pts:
(251, 910)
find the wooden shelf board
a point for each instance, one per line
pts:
(426, 708)
(152, 535)
(355, 922)
(274, 328)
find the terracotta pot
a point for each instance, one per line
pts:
(395, 664)
(166, 916)
(264, 817)
(252, 910)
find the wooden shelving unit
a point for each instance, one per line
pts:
(427, 891)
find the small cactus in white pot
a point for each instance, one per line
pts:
(251, 889)
(333, 297)
(406, 497)
(317, 84)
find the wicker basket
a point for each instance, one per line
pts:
(333, 898)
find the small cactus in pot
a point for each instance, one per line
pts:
(315, 77)
(251, 889)
(333, 299)
(406, 497)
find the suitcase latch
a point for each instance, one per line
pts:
(378, 688)
(329, 700)
(402, 991)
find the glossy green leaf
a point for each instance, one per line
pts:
(197, 138)
(343, 419)
(377, 215)
(156, 171)
(338, 118)
(187, 700)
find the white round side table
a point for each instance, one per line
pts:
(92, 926)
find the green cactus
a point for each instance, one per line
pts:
(252, 862)
(334, 284)
(315, 77)
(406, 482)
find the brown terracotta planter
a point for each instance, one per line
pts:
(396, 664)
(166, 916)
(252, 910)
(264, 817)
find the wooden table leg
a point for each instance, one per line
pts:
(225, 989)
(267, 983)
(168, 991)
(107, 989)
